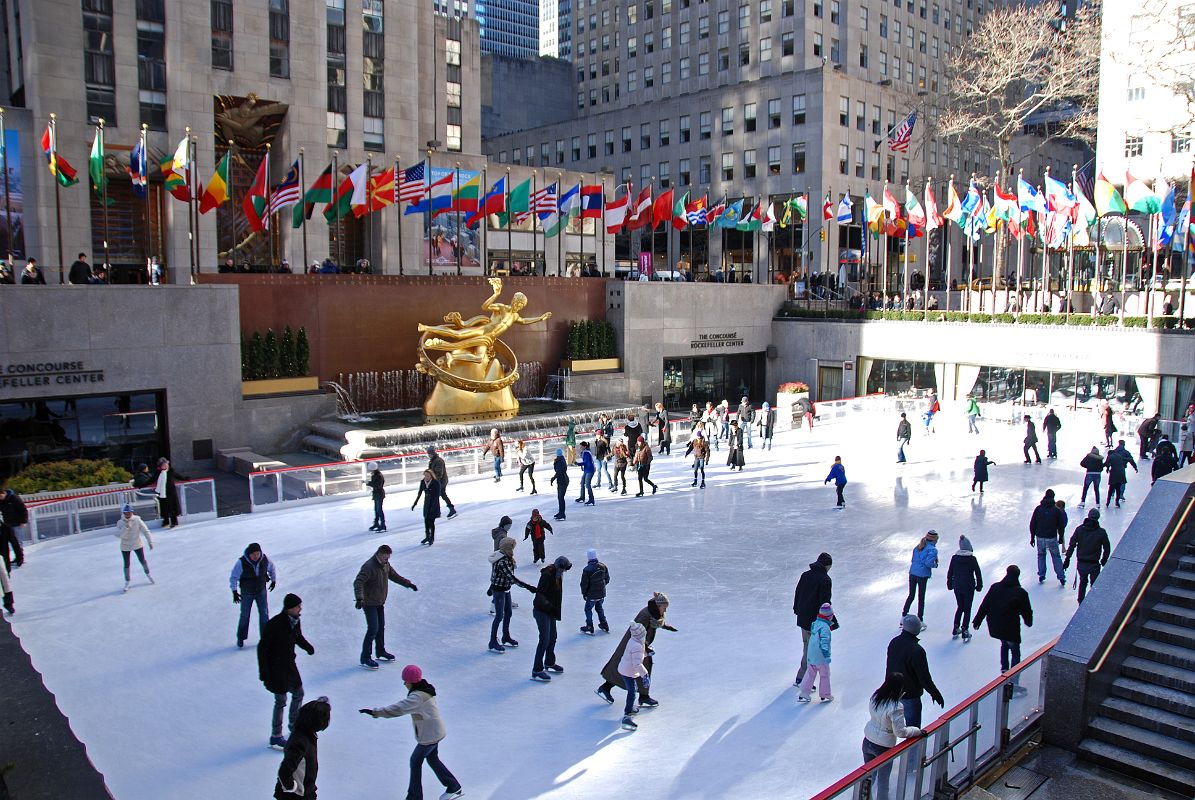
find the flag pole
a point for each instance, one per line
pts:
(57, 201)
(398, 177)
(946, 233)
(1186, 260)
(143, 168)
(535, 231)
(269, 220)
(369, 209)
(1070, 253)
(104, 196)
(510, 253)
(192, 153)
(1155, 220)
(7, 203)
(1124, 262)
(601, 228)
(190, 198)
(971, 257)
(459, 245)
(427, 214)
(906, 253)
(303, 203)
(925, 281)
(484, 222)
(335, 187)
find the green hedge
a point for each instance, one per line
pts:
(271, 356)
(56, 476)
(588, 338)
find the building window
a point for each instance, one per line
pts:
(666, 39)
(728, 121)
(591, 145)
(645, 136)
(151, 63)
(221, 34)
(632, 13)
(844, 112)
(683, 174)
(774, 113)
(883, 63)
(337, 75)
(786, 44)
(99, 68)
(765, 49)
(452, 138)
(798, 109)
(787, 8)
(703, 28)
(749, 117)
(704, 125)
(723, 22)
(665, 132)
(607, 145)
(744, 15)
(666, 72)
(1180, 143)
(875, 120)
(835, 51)
(859, 165)
(748, 163)
(774, 160)
(703, 64)
(817, 44)
(843, 155)
(1136, 93)
(765, 11)
(665, 174)
(875, 166)
(1133, 146)
(883, 26)
(890, 172)
(835, 11)
(817, 8)
(684, 68)
(575, 145)
(728, 166)
(644, 174)
(626, 139)
(279, 38)
(704, 170)
(860, 115)
(632, 46)
(683, 33)
(683, 128)
(452, 52)
(374, 133)
(649, 77)
(559, 152)
(544, 158)
(863, 17)
(863, 56)
(632, 80)
(798, 158)
(723, 60)
(744, 54)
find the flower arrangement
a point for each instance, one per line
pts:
(793, 387)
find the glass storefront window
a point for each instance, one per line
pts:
(888, 376)
(713, 379)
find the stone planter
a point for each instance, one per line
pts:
(579, 366)
(279, 386)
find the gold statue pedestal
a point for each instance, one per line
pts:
(449, 404)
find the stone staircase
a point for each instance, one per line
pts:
(1145, 728)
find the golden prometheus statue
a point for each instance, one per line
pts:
(475, 373)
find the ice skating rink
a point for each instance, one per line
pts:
(168, 707)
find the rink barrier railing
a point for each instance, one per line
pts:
(338, 480)
(50, 519)
(961, 745)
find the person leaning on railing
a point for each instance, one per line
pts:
(885, 728)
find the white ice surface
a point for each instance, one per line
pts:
(169, 708)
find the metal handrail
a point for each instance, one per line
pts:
(1153, 570)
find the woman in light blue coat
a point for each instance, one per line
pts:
(925, 561)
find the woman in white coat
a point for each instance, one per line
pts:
(885, 729)
(130, 529)
(631, 668)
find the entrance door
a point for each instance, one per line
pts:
(829, 383)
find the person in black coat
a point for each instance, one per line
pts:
(32, 274)
(632, 432)
(549, 595)
(1117, 463)
(276, 663)
(964, 579)
(980, 475)
(1031, 440)
(1093, 467)
(300, 765)
(560, 480)
(1004, 606)
(13, 515)
(1147, 431)
(735, 458)
(1164, 464)
(167, 492)
(1091, 542)
(1047, 528)
(907, 656)
(1109, 425)
(376, 483)
(429, 490)
(1051, 425)
(813, 589)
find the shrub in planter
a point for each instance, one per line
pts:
(56, 476)
(913, 316)
(286, 354)
(979, 317)
(1135, 322)
(1081, 319)
(1104, 320)
(1008, 319)
(956, 316)
(1166, 323)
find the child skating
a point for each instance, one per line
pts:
(630, 669)
(982, 462)
(838, 475)
(818, 656)
(535, 531)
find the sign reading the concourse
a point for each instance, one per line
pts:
(47, 373)
(716, 341)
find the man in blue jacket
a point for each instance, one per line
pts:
(250, 575)
(588, 467)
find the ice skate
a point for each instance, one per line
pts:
(496, 648)
(150, 577)
(126, 586)
(542, 677)
(628, 724)
(604, 694)
(452, 795)
(510, 643)
(369, 663)
(278, 742)
(587, 629)
(555, 668)
(649, 702)
(452, 511)
(384, 656)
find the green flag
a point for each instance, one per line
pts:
(519, 202)
(95, 166)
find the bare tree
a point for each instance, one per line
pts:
(1023, 66)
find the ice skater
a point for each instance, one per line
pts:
(907, 657)
(370, 588)
(653, 616)
(885, 728)
(818, 656)
(526, 465)
(376, 484)
(1047, 528)
(904, 433)
(838, 475)
(166, 490)
(746, 418)
(767, 426)
(535, 531)
(252, 575)
(979, 475)
(632, 670)
(549, 596)
(928, 416)
(300, 765)
(601, 455)
(1051, 425)
(594, 579)
(643, 459)
(502, 531)
(735, 457)
(813, 590)
(700, 448)
(420, 705)
(1109, 423)
(570, 443)
(130, 529)
(436, 464)
(497, 449)
(709, 421)
(1186, 445)
(560, 480)
(6, 587)
(1004, 606)
(1091, 542)
(13, 515)
(429, 490)
(663, 429)
(1117, 463)
(622, 457)
(502, 577)
(1030, 440)
(276, 664)
(587, 469)
(964, 579)
(633, 432)
(1093, 468)
(973, 414)
(925, 560)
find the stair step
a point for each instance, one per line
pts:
(1168, 724)
(1179, 597)
(1172, 654)
(1183, 579)
(1176, 615)
(1149, 743)
(1169, 633)
(1151, 694)
(1153, 672)
(1187, 563)
(1135, 765)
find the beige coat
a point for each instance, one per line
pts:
(424, 713)
(130, 531)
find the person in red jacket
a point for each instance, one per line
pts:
(536, 526)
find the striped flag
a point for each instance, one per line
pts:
(138, 168)
(898, 137)
(615, 214)
(695, 212)
(287, 193)
(591, 201)
(541, 203)
(412, 184)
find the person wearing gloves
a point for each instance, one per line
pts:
(813, 590)
(536, 530)
(924, 562)
(376, 483)
(130, 529)
(631, 669)
(973, 414)
(435, 462)
(252, 573)
(420, 705)
(594, 578)
(904, 432)
(549, 595)
(429, 490)
(371, 588)
(166, 490)
(1047, 527)
(502, 577)
(300, 765)
(276, 663)
(964, 579)
(838, 475)
(652, 617)
(1093, 548)
(818, 657)
(502, 531)
(907, 657)
(885, 728)
(560, 481)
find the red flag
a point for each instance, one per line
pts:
(662, 210)
(255, 199)
(828, 208)
(616, 211)
(641, 214)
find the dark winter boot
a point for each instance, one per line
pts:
(8, 606)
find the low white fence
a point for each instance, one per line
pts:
(50, 519)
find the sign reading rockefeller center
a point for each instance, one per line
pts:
(45, 373)
(716, 341)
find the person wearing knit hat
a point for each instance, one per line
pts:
(251, 576)
(1004, 607)
(818, 658)
(924, 562)
(652, 617)
(631, 669)
(549, 596)
(813, 589)
(560, 481)
(907, 657)
(502, 577)
(1047, 527)
(421, 706)
(497, 448)
(536, 530)
(838, 475)
(1091, 542)
(376, 484)
(277, 667)
(130, 529)
(964, 579)
(594, 578)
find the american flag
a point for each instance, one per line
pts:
(413, 184)
(288, 192)
(544, 201)
(898, 137)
